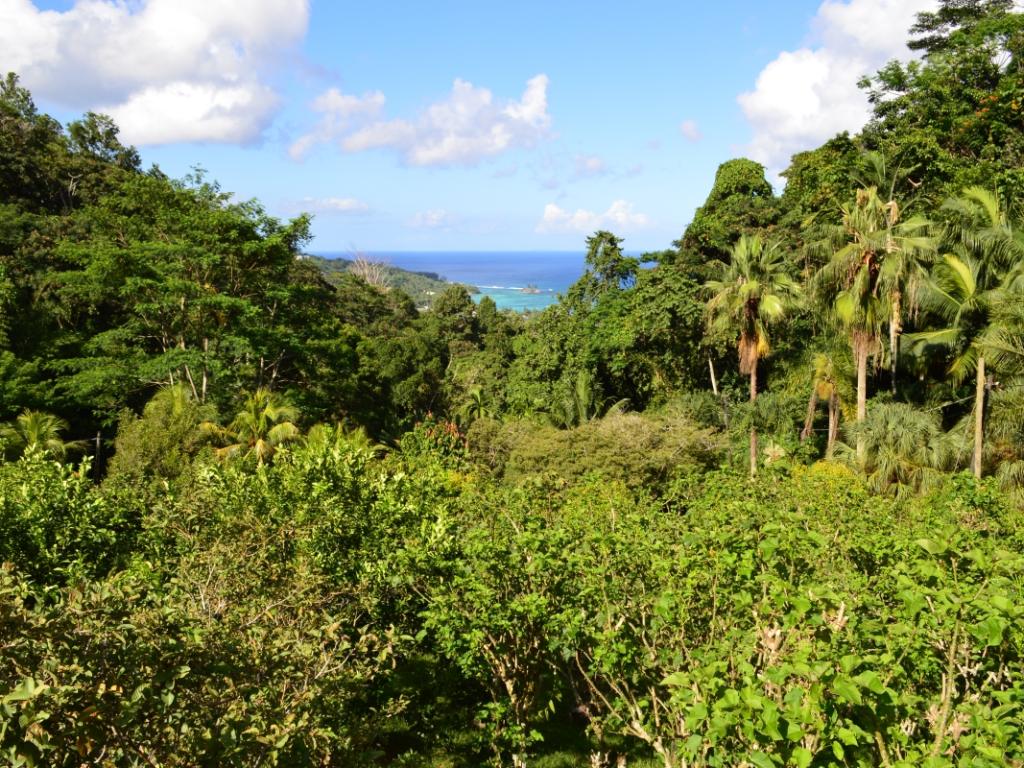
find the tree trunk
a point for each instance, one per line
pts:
(833, 423)
(812, 406)
(979, 417)
(895, 327)
(753, 430)
(714, 388)
(206, 374)
(862, 390)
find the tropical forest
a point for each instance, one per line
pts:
(755, 499)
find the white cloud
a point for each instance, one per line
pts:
(436, 218)
(588, 166)
(806, 96)
(166, 70)
(462, 129)
(344, 205)
(690, 130)
(338, 112)
(619, 216)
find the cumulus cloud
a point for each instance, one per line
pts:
(165, 70)
(435, 218)
(806, 96)
(690, 130)
(338, 113)
(342, 205)
(466, 127)
(619, 216)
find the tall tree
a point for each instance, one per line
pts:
(862, 288)
(967, 287)
(955, 114)
(754, 290)
(741, 202)
(953, 22)
(908, 251)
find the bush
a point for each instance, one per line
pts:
(159, 444)
(640, 451)
(56, 526)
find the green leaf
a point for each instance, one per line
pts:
(802, 757)
(869, 679)
(25, 690)
(697, 714)
(990, 631)
(847, 690)
(676, 679)
(931, 546)
(761, 760)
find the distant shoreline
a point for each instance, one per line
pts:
(522, 281)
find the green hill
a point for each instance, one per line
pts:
(422, 287)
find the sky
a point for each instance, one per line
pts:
(459, 125)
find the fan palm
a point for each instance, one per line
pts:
(35, 430)
(900, 449)
(754, 290)
(907, 257)
(265, 422)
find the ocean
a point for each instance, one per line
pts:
(502, 275)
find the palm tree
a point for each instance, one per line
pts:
(35, 430)
(755, 290)
(338, 440)
(870, 291)
(265, 422)
(829, 376)
(584, 403)
(957, 295)
(900, 449)
(908, 255)
(967, 288)
(475, 406)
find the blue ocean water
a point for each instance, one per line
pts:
(502, 275)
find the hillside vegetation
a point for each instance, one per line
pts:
(761, 504)
(422, 287)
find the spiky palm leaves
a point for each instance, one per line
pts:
(969, 288)
(830, 371)
(265, 422)
(877, 258)
(584, 403)
(35, 430)
(754, 291)
(475, 406)
(1002, 344)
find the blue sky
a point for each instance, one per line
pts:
(461, 125)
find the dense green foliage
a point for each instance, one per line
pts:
(757, 499)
